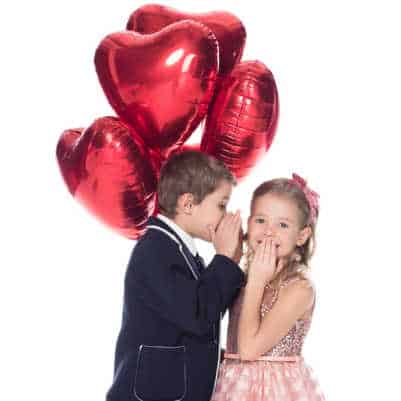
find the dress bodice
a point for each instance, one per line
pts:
(290, 345)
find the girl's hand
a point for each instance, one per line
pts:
(265, 264)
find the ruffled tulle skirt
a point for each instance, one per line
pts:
(266, 381)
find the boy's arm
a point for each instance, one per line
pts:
(193, 305)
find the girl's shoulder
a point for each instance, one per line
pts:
(302, 288)
(300, 283)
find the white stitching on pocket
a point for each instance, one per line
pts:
(163, 347)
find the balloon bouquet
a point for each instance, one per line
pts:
(164, 75)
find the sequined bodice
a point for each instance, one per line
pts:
(289, 345)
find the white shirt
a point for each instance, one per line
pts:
(186, 238)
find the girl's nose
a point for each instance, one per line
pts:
(269, 232)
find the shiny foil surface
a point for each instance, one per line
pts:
(229, 30)
(160, 84)
(242, 121)
(108, 169)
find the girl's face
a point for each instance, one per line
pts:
(278, 218)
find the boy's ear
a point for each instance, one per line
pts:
(185, 203)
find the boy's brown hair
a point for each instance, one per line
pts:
(189, 172)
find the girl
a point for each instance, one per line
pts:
(272, 315)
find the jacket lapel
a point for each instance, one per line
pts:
(156, 224)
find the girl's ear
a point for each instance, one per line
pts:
(304, 235)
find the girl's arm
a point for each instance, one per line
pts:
(257, 336)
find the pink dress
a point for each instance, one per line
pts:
(278, 375)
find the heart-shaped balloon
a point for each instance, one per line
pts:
(109, 170)
(67, 157)
(160, 84)
(229, 30)
(241, 124)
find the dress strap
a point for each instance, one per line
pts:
(290, 281)
(296, 278)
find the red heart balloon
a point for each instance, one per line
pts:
(241, 124)
(108, 169)
(229, 30)
(67, 157)
(160, 84)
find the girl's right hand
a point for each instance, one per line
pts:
(265, 264)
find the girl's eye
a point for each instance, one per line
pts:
(283, 225)
(222, 207)
(259, 220)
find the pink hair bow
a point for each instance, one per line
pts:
(311, 196)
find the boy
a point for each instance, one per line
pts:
(168, 347)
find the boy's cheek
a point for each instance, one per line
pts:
(205, 235)
(219, 220)
(214, 227)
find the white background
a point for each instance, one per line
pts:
(337, 66)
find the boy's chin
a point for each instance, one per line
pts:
(204, 237)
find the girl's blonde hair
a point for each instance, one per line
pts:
(291, 190)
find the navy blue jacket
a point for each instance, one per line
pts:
(168, 348)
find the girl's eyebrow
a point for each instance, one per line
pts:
(280, 218)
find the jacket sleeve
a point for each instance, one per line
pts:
(192, 305)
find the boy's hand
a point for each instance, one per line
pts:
(226, 238)
(239, 252)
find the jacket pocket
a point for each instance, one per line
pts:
(160, 373)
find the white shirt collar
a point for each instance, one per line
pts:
(186, 238)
